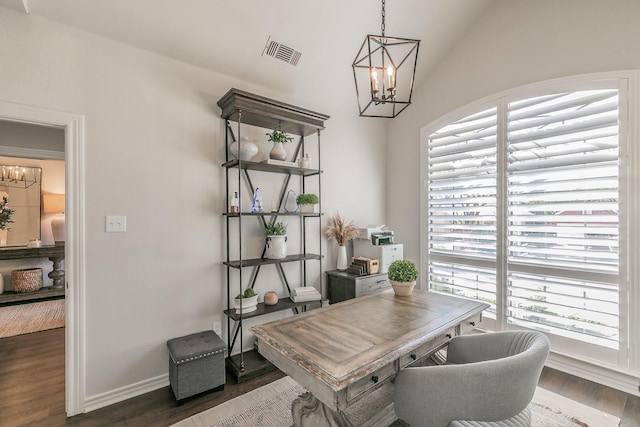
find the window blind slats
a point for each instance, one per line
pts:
(560, 204)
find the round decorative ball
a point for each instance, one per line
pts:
(270, 298)
(248, 149)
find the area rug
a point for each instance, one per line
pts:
(27, 318)
(270, 406)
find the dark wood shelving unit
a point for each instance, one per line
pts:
(246, 109)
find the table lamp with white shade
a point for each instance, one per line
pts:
(54, 203)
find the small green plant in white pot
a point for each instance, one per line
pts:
(276, 240)
(307, 203)
(278, 137)
(403, 275)
(246, 302)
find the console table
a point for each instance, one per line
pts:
(344, 351)
(55, 254)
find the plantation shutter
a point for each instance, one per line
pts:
(462, 207)
(563, 204)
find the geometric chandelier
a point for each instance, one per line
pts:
(384, 71)
(19, 176)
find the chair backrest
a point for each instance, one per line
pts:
(488, 377)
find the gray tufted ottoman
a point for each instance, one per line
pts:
(196, 364)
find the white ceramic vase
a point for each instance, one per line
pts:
(276, 247)
(246, 151)
(342, 264)
(278, 152)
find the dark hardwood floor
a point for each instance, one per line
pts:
(32, 391)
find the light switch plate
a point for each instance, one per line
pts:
(115, 224)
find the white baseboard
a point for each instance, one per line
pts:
(98, 401)
(599, 374)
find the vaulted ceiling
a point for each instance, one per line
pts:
(230, 36)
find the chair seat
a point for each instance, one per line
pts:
(523, 419)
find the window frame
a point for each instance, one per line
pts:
(587, 359)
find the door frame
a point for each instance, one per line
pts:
(73, 125)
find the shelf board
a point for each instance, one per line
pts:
(283, 304)
(254, 365)
(235, 215)
(253, 262)
(237, 105)
(22, 252)
(43, 294)
(265, 167)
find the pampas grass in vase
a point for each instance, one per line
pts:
(342, 232)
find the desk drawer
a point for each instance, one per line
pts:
(426, 348)
(373, 380)
(470, 324)
(367, 285)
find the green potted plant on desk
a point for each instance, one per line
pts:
(403, 275)
(276, 240)
(307, 203)
(246, 302)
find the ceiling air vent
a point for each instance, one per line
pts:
(282, 52)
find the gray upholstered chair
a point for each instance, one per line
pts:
(488, 381)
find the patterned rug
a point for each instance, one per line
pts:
(27, 318)
(270, 406)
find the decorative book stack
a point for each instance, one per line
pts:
(304, 294)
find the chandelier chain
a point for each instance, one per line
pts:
(383, 13)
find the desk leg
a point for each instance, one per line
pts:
(308, 411)
(57, 274)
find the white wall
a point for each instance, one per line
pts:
(154, 143)
(514, 43)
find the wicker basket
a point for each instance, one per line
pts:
(26, 280)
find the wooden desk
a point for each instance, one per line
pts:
(344, 351)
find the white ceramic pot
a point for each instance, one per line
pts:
(402, 289)
(308, 208)
(248, 304)
(247, 149)
(276, 247)
(278, 152)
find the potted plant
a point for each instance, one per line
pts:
(402, 275)
(307, 203)
(278, 137)
(5, 218)
(246, 302)
(276, 240)
(342, 232)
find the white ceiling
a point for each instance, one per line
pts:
(229, 36)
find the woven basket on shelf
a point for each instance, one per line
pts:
(26, 280)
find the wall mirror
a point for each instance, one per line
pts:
(22, 186)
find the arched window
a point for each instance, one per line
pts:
(526, 204)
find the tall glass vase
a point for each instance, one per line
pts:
(342, 264)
